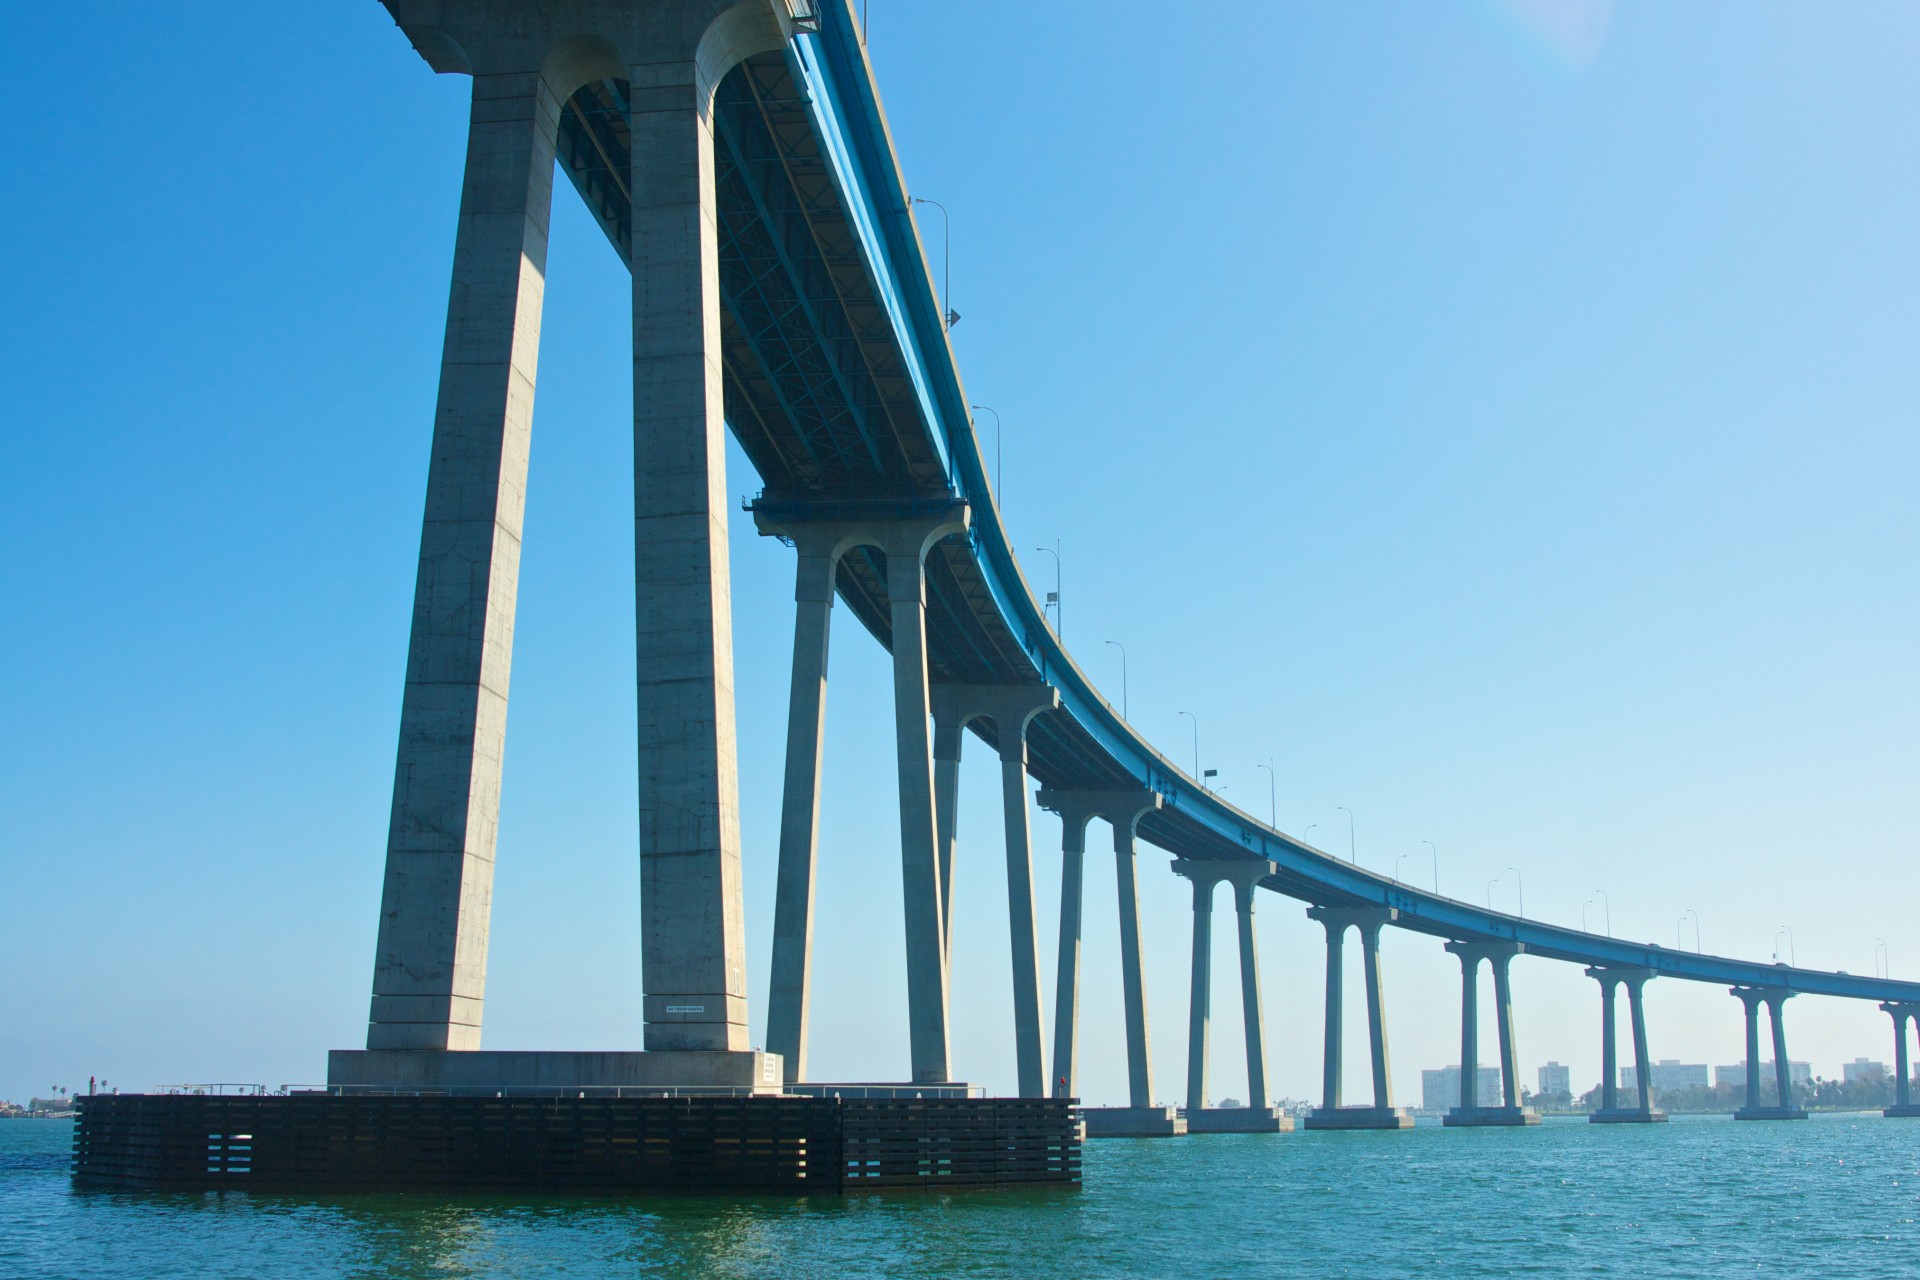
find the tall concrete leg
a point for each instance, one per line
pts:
(789, 990)
(430, 963)
(1011, 708)
(1902, 1070)
(1251, 1020)
(1376, 1016)
(1028, 1033)
(1198, 1007)
(1132, 975)
(948, 737)
(1752, 1002)
(693, 939)
(920, 876)
(1610, 1111)
(1642, 1062)
(1503, 1018)
(1609, 1048)
(1782, 1069)
(1066, 986)
(1469, 1031)
(1382, 1114)
(1330, 1065)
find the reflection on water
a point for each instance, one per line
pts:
(1835, 1195)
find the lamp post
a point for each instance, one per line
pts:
(1396, 867)
(1123, 676)
(1196, 743)
(1436, 863)
(1792, 958)
(1520, 888)
(1882, 968)
(1053, 598)
(1490, 884)
(999, 488)
(952, 317)
(1303, 834)
(1353, 852)
(1696, 929)
(1583, 914)
(1607, 903)
(1273, 795)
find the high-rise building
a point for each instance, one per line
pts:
(1555, 1078)
(1861, 1069)
(1736, 1075)
(1670, 1075)
(1440, 1090)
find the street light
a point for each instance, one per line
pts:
(1353, 853)
(1520, 887)
(1583, 914)
(1396, 867)
(1791, 956)
(1053, 596)
(1436, 863)
(1273, 796)
(1303, 834)
(1696, 928)
(1490, 884)
(1123, 675)
(952, 317)
(1881, 966)
(999, 490)
(1606, 902)
(1196, 743)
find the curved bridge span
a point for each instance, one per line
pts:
(837, 378)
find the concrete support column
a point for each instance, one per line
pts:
(1012, 709)
(1122, 809)
(1609, 1042)
(1470, 958)
(1330, 1066)
(1376, 1012)
(1902, 1070)
(919, 862)
(948, 737)
(1022, 932)
(1503, 1016)
(430, 962)
(1751, 1001)
(693, 948)
(1198, 1006)
(1132, 974)
(789, 991)
(1066, 984)
(1252, 1020)
(1642, 1061)
(1782, 1069)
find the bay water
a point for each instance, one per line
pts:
(1837, 1195)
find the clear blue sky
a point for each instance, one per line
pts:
(1499, 414)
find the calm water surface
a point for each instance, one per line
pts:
(1834, 1196)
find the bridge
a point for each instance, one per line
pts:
(737, 157)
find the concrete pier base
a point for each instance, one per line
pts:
(1627, 1115)
(518, 1073)
(1909, 1111)
(1490, 1117)
(1133, 1122)
(1359, 1118)
(1238, 1120)
(1770, 1113)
